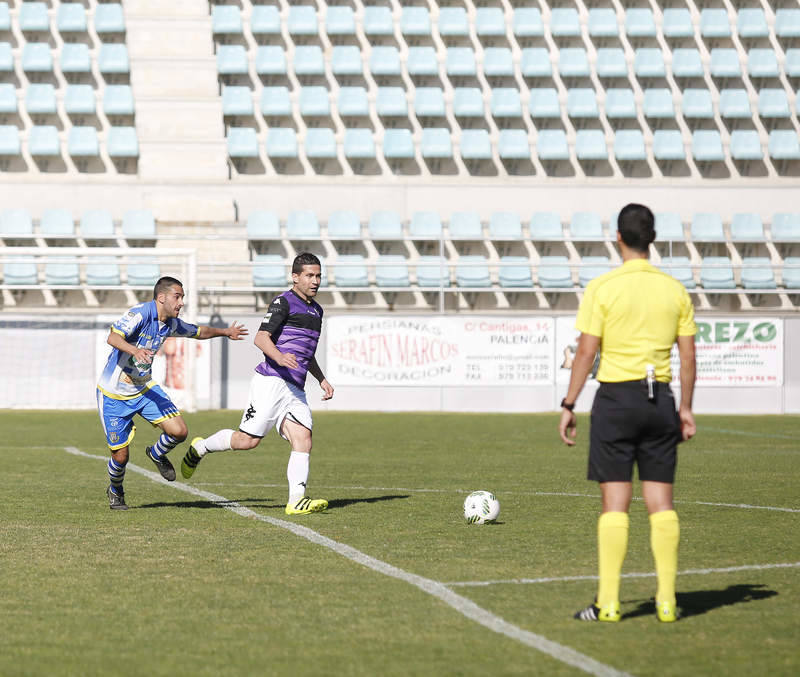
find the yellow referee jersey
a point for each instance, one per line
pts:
(637, 311)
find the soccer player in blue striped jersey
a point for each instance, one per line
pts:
(288, 337)
(126, 385)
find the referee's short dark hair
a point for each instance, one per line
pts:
(636, 225)
(164, 284)
(304, 259)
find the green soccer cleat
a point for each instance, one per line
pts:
(191, 459)
(307, 505)
(607, 614)
(666, 612)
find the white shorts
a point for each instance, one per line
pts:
(271, 401)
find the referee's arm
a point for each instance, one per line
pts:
(588, 345)
(688, 374)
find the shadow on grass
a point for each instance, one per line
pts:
(263, 502)
(702, 601)
(344, 502)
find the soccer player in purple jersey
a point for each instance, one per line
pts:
(288, 337)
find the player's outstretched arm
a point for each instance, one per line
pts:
(315, 370)
(236, 332)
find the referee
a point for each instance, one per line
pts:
(633, 315)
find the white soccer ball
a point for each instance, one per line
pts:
(481, 507)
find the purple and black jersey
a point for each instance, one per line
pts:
(294, 326)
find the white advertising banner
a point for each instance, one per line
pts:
(440, 350)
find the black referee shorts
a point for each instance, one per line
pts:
(627, 426)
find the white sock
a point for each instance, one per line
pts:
(219, 441)
(297, 474)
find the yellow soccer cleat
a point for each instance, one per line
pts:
(666, 612)
(191, 459)
(306, 505)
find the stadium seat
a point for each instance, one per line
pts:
(24, 273)
(302, 20)
(716, 272)
(629, 145)
(773, 103)
(142, 273)
(425, 225)
(384, 61)
(378, 20)
(527, 22)
(415, 21)
(9, 140)
(586, 226)
(734, 103)
(436, 143)
(707, 146)
(225, 20)
(535, 63)
(313, 101)
(37, 58)
(648, 62)
(350, 270)
(603, 22)
(429, 102)
(263, 225)
(432, 271)
(16, 222)
(785, 227)
(465, 226)
(590, 144)
(473, 271)
(6, 58)
(553, 272)
(543, 103)
(787, 23)
(71, 18)
(118, 100)
(752, 23)
(791, 272)
(669, 227)
(762, 63)
(546, 226)
(784, 144)
(276, 102)
(725, 63)
(513, 144)
(83, 142)
(344, 225)
(41, 98)
(498, 62)
(138, 224)
(97, 224)
(460, 61)
(113, 58)
(102, 272)
(686, 63)
(677, 23)
(620, 103)
(453, 22)
(302, 224)
(680, 268)
(582, 103)
(398, 144)
(747, 227)
(475, 144)
(611, 63)
(269, 271)
(714, 23)
(505, 102)
(490, 21)
(505, 226)
(346, 60)
(639, 22)
(697, 104)
(353, 102)
(340, 20)
(422, 61)
(265, 20)
(237, 100)
(33, 17)
(468, 102)
(385, 225)
(391, 102)
(746, 145)
(658, 103)
(707, 227)
(61, 273)
(282, 142)
(242, 142)
(391, 270)
(551, 144)
(359, 144)
(564, 22)
(43, 141)
(515, 272)
(592, 267)
(75, 58)
(109, 18)
(308, 60)
(573, 62)
(668, 145)
(5, 18)
(320, 143)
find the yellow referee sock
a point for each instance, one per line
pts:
(664, 536)
(612, 544)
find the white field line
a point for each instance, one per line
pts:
(438, 590)
(565, 579)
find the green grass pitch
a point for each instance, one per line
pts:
(178, 585)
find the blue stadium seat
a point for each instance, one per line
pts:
(384, 61)
(573, 62)
(276, 102)
(621, 103)
(43, 141)
(725, 63)
(551, 144)
(391, 270)
(564, 22)
(118, 100)
(791, 272)
(320, 143)
(453, 22)
(263, 225)
(611, 63)
(460, 61)
(391, 102)
(757, 273)
(232, 59)
(71, 18)
(527, 22)
(582, 103)
(553, 272)
(225, 19)
(629, 145)
(787, 23)
(109, 18)
(515, 272)
(8, 98)
(265, 20)
(686, 63)
(64, 273)
(353, 102)
(6, 58)
(746, 145)
(33, 17)
(309, 60)
(102, 272)
(302, 20)
(747, 227)
(784, 144)
(344, 225)
(422, 60)
(41, 98)
(603, 22)
(378, 20)
(350, 270)
(75, 58)
(97, 223)
(707, 146)
(9, 140)
(23, 273)
(752, 23)
(707, 227)
(475, 144)
(16, 222)
(113, 58)
(269, 271)
(513, 144)
(138, 224)
(546, 226)
(586, 226)
(385, 225)
(697, 104)
(425, 225)
(242, 142)
(535, 63)
(82, 142)
(313, 101)
(762, 63)
(340, 20)
(359, 144)
(415, 21)
(432, 271)
(468, 102)
(237, 100)
(590, 144)
(785, 227)
(429, 102)
(543, 103)
(669, 227)
(639, 22)
(498, 62)
(346, 60)
(714, 23)
(592, 267)
(490, 21)
(773, 103)
(668, 145)
(680, 268)
(505, 226)
(143, 273)
(465, 226)
(281, 142)
(5, 18)
(473, 271)
(658, 103)
(302, 224)
(506, 102)
(734, 103)
(677, 23)
(716, 272)
(37, 58)
(436, 143)
(648, 62)
(398, 144)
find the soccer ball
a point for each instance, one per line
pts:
(481, 507)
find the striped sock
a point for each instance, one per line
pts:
(116, 474)
(163, 446)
